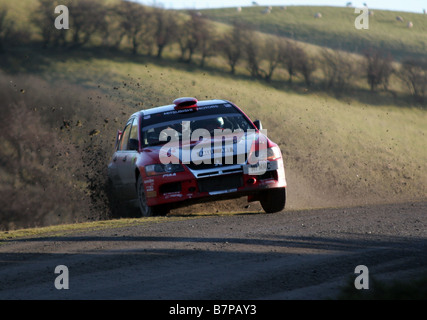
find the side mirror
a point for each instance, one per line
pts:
(133, 144)
(258, 124)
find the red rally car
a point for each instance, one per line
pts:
(193, 151)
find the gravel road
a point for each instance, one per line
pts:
(295, 254)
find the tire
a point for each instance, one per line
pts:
(273, 200)
(147, 211)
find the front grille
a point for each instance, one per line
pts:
(219, 183)
(223, 163)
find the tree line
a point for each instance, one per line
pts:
(149, 30)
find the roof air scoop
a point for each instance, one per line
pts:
(185, 103)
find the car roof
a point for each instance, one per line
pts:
(171, 107)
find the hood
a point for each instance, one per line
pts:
(216, 149)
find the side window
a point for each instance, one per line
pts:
(125, 137)
(134, 130)
(133, 136)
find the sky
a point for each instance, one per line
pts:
(395, 5)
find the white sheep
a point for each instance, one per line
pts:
(318, 15)
(239, 9)
(266, 11)
(410, 24)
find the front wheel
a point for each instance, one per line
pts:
(147, 211)
(273, 200)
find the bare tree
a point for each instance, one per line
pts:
(189, 36)
(113, 34)
(208, 42)
(44, 20)
(165, 29)
(306, 65)
(135, 22)
(253, 53)
(272, 51)
(414, 75)
(196, 35)
(338, 68)
(231, 45)
(289, 58)
(86, 18)
(378, 69)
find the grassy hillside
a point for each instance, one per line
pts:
(334, 149)
(335, 29)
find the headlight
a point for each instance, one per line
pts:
(155, 169)
(273, 153)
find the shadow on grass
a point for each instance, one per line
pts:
(34, 59)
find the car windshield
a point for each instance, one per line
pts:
(164, 132)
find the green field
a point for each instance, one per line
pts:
(335, 29)
(357, 148)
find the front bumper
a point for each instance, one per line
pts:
(223, 182)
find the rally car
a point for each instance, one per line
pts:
(192, 151)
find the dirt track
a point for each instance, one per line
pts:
(291, 255)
